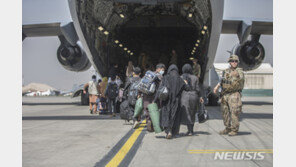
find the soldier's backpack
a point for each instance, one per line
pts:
(125, 111)
(133, 93)
(112, 91)
(147, 83)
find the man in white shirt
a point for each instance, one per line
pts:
(94, 92)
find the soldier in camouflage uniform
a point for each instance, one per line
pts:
(196, 68)
(232, 84)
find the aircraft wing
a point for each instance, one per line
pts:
(66, 30)
(39, 30)
(245, 27)
(70, 45)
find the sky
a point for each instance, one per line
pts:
(39, 60)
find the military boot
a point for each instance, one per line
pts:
(232, 133)
(224, 132)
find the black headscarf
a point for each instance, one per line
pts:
(187, 71)
(172, 68)
(174, 82)
(170, 110)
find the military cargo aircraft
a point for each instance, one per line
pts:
(104, 32)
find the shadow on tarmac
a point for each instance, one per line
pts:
(245, 116)
(201, 133)
(78, 117)
(243, 133)
(258, 103)
(257, 115)
(37, 104)
(196, 133)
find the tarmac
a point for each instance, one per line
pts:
(58, 131)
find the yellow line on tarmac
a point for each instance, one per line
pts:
(126, 147)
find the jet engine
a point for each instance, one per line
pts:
(251, 54)
(73, 58)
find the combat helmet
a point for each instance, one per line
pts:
(233, 57)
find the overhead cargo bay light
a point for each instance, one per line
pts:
(128, 51)
(196, 44)
(106, 32)
(124, 48)
(205, 27)
(121, 15)
(116, 41)
(203, 32)
(194, 48)
(191, 58)
(190, 15)
(132, 53)
(100, 28)
(198, 41)
(120, 45)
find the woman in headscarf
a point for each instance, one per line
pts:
(189, 98)
(103, 86)
(129, 69)
(170, 112)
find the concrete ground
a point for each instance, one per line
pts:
(57, 131)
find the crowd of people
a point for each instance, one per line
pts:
(175, 97)
(179, 107)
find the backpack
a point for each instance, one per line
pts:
(163, 91)
(147, 84)
(112, 91)
(125, 111)
(133, 93)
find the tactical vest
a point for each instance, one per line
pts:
(232, 81)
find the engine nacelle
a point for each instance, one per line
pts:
(73, 58)
(251, 54)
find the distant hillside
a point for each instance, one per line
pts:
(33, 87)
